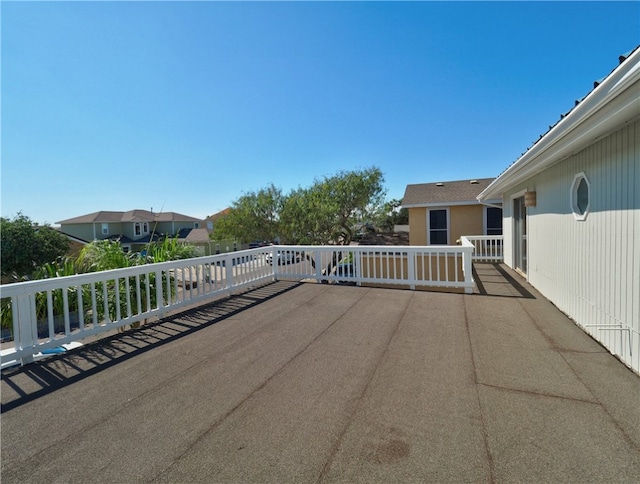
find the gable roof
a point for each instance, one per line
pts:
(613, 101)
(194, 236)
(130, 216)
(460, 192)
(219, 214)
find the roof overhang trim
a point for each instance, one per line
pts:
(610, 105)
(448, 204)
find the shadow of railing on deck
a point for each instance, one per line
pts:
(492, 279)
(37, 379)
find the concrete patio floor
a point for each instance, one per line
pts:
(324, 383)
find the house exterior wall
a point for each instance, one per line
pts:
(507, 230)
(589, 269)
(74, 248)
(169, 228)
(127, 231)
(418, 226)
(86, 231)
(115, 228)
(463, 220)
(79, 231)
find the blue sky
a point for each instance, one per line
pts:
(185, 106)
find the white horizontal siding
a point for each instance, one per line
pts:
(590, 269)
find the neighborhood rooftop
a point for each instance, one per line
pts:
(449, 192)
(130, 216)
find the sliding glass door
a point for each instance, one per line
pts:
(520, 234)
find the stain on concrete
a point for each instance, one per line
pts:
(391, 451)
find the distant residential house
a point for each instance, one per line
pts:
(441, 212)
(572, 212)
(211, 219)
(75, 244)
(133, 228)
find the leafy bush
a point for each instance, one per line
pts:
(99, 256)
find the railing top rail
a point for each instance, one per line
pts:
(371, 248)
(39, 285)
(466, 242)
(483, 237)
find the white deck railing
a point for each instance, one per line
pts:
(408, 266)
(488, 248)
(48, 313)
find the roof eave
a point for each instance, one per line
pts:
(447, 204)
(612, 103)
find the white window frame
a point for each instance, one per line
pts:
(105, 228)
(140, 228)
(446, 209)
(573, 197)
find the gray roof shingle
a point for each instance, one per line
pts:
(441, 193)
(130, 216)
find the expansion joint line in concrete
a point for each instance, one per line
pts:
(253, 392)
(485, 435)
(538, 394)
(561, 352)
(358, 405)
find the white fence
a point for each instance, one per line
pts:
(51, 312)
(433, 266)
(488, 248)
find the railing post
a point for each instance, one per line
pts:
(411, 269)
(317, 255)
(25, 324)
(274, 263)
(466, 269)
(227, 263)
(159, 297)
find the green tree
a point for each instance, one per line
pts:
(327, 212)
(254, 216)
(391, 214)
(352, 198)
(26, 247)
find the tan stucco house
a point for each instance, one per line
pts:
(133, 228)
(441, 212)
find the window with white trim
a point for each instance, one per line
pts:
(492, 221)
(141, 228)
(580, 196)
(438, 226)
(105, 229)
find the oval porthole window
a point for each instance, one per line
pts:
(580, 196)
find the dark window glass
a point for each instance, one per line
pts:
(583, 196)
(438, 219)
(438, 227)
(494, 221)
(439, 237)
